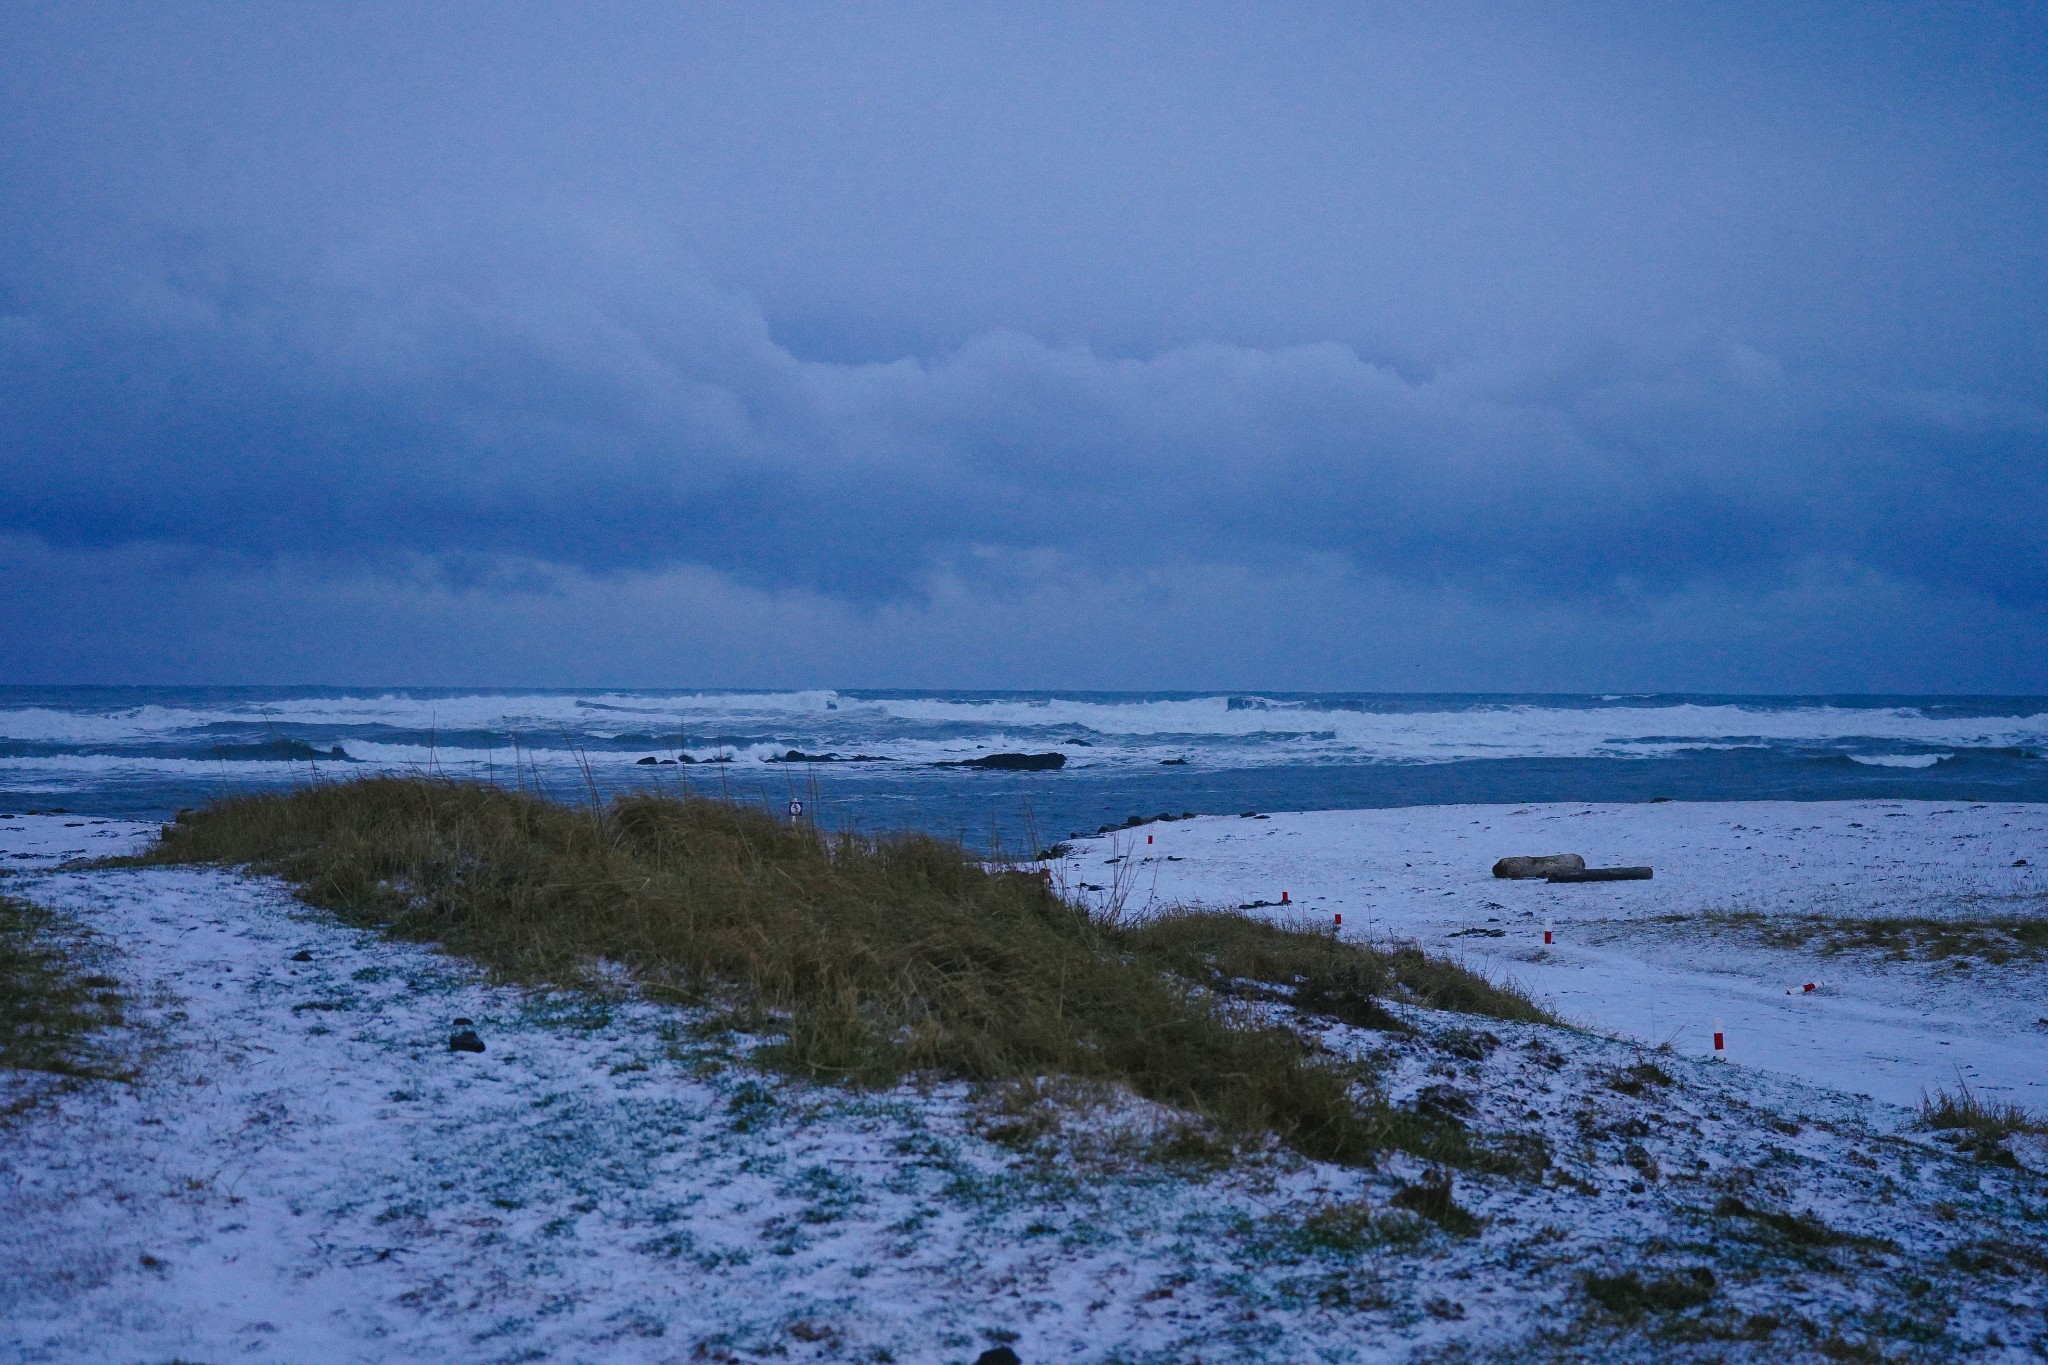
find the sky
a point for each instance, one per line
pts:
(1561, 347)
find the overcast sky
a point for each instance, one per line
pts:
(1502, 347)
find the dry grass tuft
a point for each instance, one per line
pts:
(50, 1005)
(871, 958)
(1983, 1125)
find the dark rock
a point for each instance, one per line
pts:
(645, 762)
(462, 1022)
(1523, 869)
(1173, 763)
(2019, 862)
(1659, 800)
(799, 756)
(1010, 763)
(998, 1355)
(465, 1040)
(288, 750)
(302, 956)
(1599, 874)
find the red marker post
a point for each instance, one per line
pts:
(1720, 1041)
(1547, 938)
(1340, 919)
(1283, 898)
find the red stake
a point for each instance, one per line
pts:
(1340, 919)
(1718, 1044)
(1546, 936)
(1148, 838)
(1283, 898)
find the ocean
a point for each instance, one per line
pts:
(880, 760)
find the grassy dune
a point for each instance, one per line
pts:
(866, 959)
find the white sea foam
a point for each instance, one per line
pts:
(1511, 729)
(542, 712)
(1226, 731)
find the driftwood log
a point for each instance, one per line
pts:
(1600, 874)
(1542, 865)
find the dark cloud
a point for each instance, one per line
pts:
(1578, 320)
(608, 417)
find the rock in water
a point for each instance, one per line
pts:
(1600, 874)
(1011, 763)
(643, 762)
(1538, 865)
(465, 1040)
(998, 1355)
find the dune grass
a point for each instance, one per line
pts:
(868, 959)
(51, 1003)
(1983, 1125)
(1317, 972)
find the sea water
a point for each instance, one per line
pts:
(880, 760)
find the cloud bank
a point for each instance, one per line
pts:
(560, 446)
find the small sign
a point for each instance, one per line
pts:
(796, 809)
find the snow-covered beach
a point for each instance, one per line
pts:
(1663, 960)
(301, 1169)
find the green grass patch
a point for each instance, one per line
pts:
(51, 1002)
(1996, 940)
(1631, 1294)
(1432, 1198)
(1799, 1235)
(1636, 1079)
(869, 958)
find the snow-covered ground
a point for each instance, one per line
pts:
(302, 1170)
(1660, 960)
